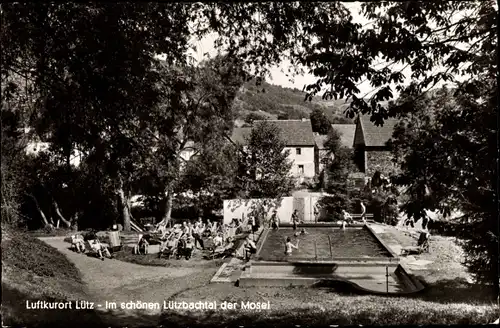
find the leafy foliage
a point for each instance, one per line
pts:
(320, 122)
(264, 167)
(254, 117)
(446, 147)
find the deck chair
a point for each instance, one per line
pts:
(213, 231)
(92, 248)
(422, 245)
(221, 252)
(231, 232)
(77, 242)
(166, 251)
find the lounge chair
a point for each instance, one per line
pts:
(222, 252)
(97, 249)
(77, 242)
(422, 245)
(168, 251)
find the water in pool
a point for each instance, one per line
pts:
(351, 242)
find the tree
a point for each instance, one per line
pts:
(445, 145)
(211, 176)
(97, 59)
(338, 165)
(264, 167)
(195, 110)
(320, 122)
(251, 117)
(283, 116)
(12, 149)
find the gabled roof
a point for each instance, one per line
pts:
(294, 132)
(376, 136)
(320, 140)
(346, 133)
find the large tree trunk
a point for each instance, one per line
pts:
(42, 215)
(59, 214)
(168, 205)
(124, 207)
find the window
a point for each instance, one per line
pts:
(301, 169)
(298, 151)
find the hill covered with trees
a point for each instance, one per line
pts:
(268, 101)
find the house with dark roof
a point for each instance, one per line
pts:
(372, 145)
(346, 132)
(299, 140)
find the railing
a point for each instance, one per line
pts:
(330, 245)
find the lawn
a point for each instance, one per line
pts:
(308, 306)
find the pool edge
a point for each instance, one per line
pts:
(389, 249)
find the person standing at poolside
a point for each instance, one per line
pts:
(363, 211)
(295, 219)
(275, 223)
(316, 212)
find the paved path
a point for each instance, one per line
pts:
(117, 281)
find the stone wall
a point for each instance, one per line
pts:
(379, 160)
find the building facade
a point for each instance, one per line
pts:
(299, 140)
(372, 146)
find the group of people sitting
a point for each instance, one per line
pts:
(90, 243)
(182, 239)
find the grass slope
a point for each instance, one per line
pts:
(32, 271)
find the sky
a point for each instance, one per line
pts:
(278, 76)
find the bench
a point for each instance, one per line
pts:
(368, 216)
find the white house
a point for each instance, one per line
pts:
(299, 140)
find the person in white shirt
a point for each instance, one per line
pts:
(218, 240)
(289, 246)
(197, 231)
(275, 224)
(78, 243)
(185, 229)
(347, 217)
(363, 212)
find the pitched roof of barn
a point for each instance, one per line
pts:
(373, 135)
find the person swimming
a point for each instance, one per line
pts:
(289, 246)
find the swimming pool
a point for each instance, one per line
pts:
(322, 244)
(355, 256)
